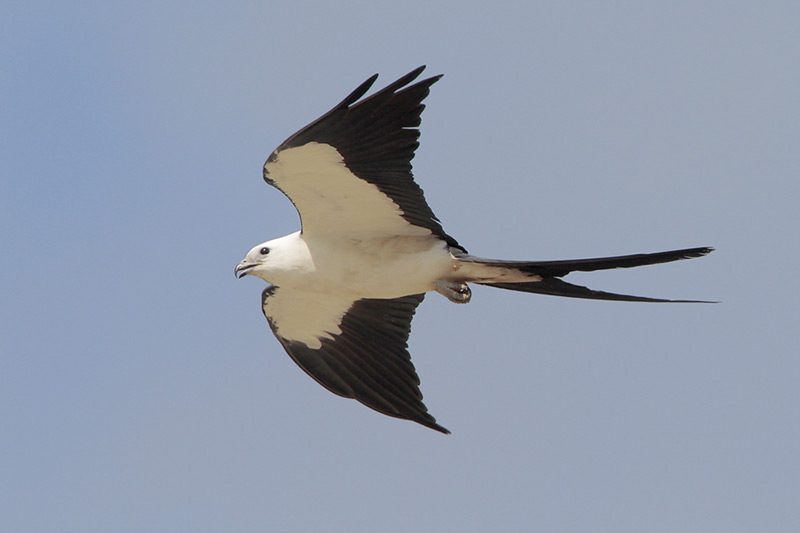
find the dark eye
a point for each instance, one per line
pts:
(264, 251)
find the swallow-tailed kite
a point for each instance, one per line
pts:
(345, 288)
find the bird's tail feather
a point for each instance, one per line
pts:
(557, 269)
(559, 287)
(546, 274)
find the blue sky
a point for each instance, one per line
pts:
(140, 387)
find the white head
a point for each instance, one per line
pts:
(273, 259)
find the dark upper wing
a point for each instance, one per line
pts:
(354, 349)
(349, 172)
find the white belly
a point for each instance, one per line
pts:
(387, 267)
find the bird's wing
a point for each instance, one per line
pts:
(356, 349)
(348, 173)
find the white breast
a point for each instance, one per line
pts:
(378, 267)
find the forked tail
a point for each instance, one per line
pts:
(549, 273)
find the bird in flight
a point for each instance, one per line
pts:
(343, 290)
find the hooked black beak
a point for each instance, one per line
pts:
(242, 269)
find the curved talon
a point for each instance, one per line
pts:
(455, 291)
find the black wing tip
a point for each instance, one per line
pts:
(440, 429)
(419, 414)
(411, 76)
(414, 74)
(427, 420)
(360, 91)
(424, 419)
(427, 81)
(393, 87)
(397, 85)
(354, 99)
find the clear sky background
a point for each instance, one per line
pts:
(140, 387)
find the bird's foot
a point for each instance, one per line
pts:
(455, 291)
